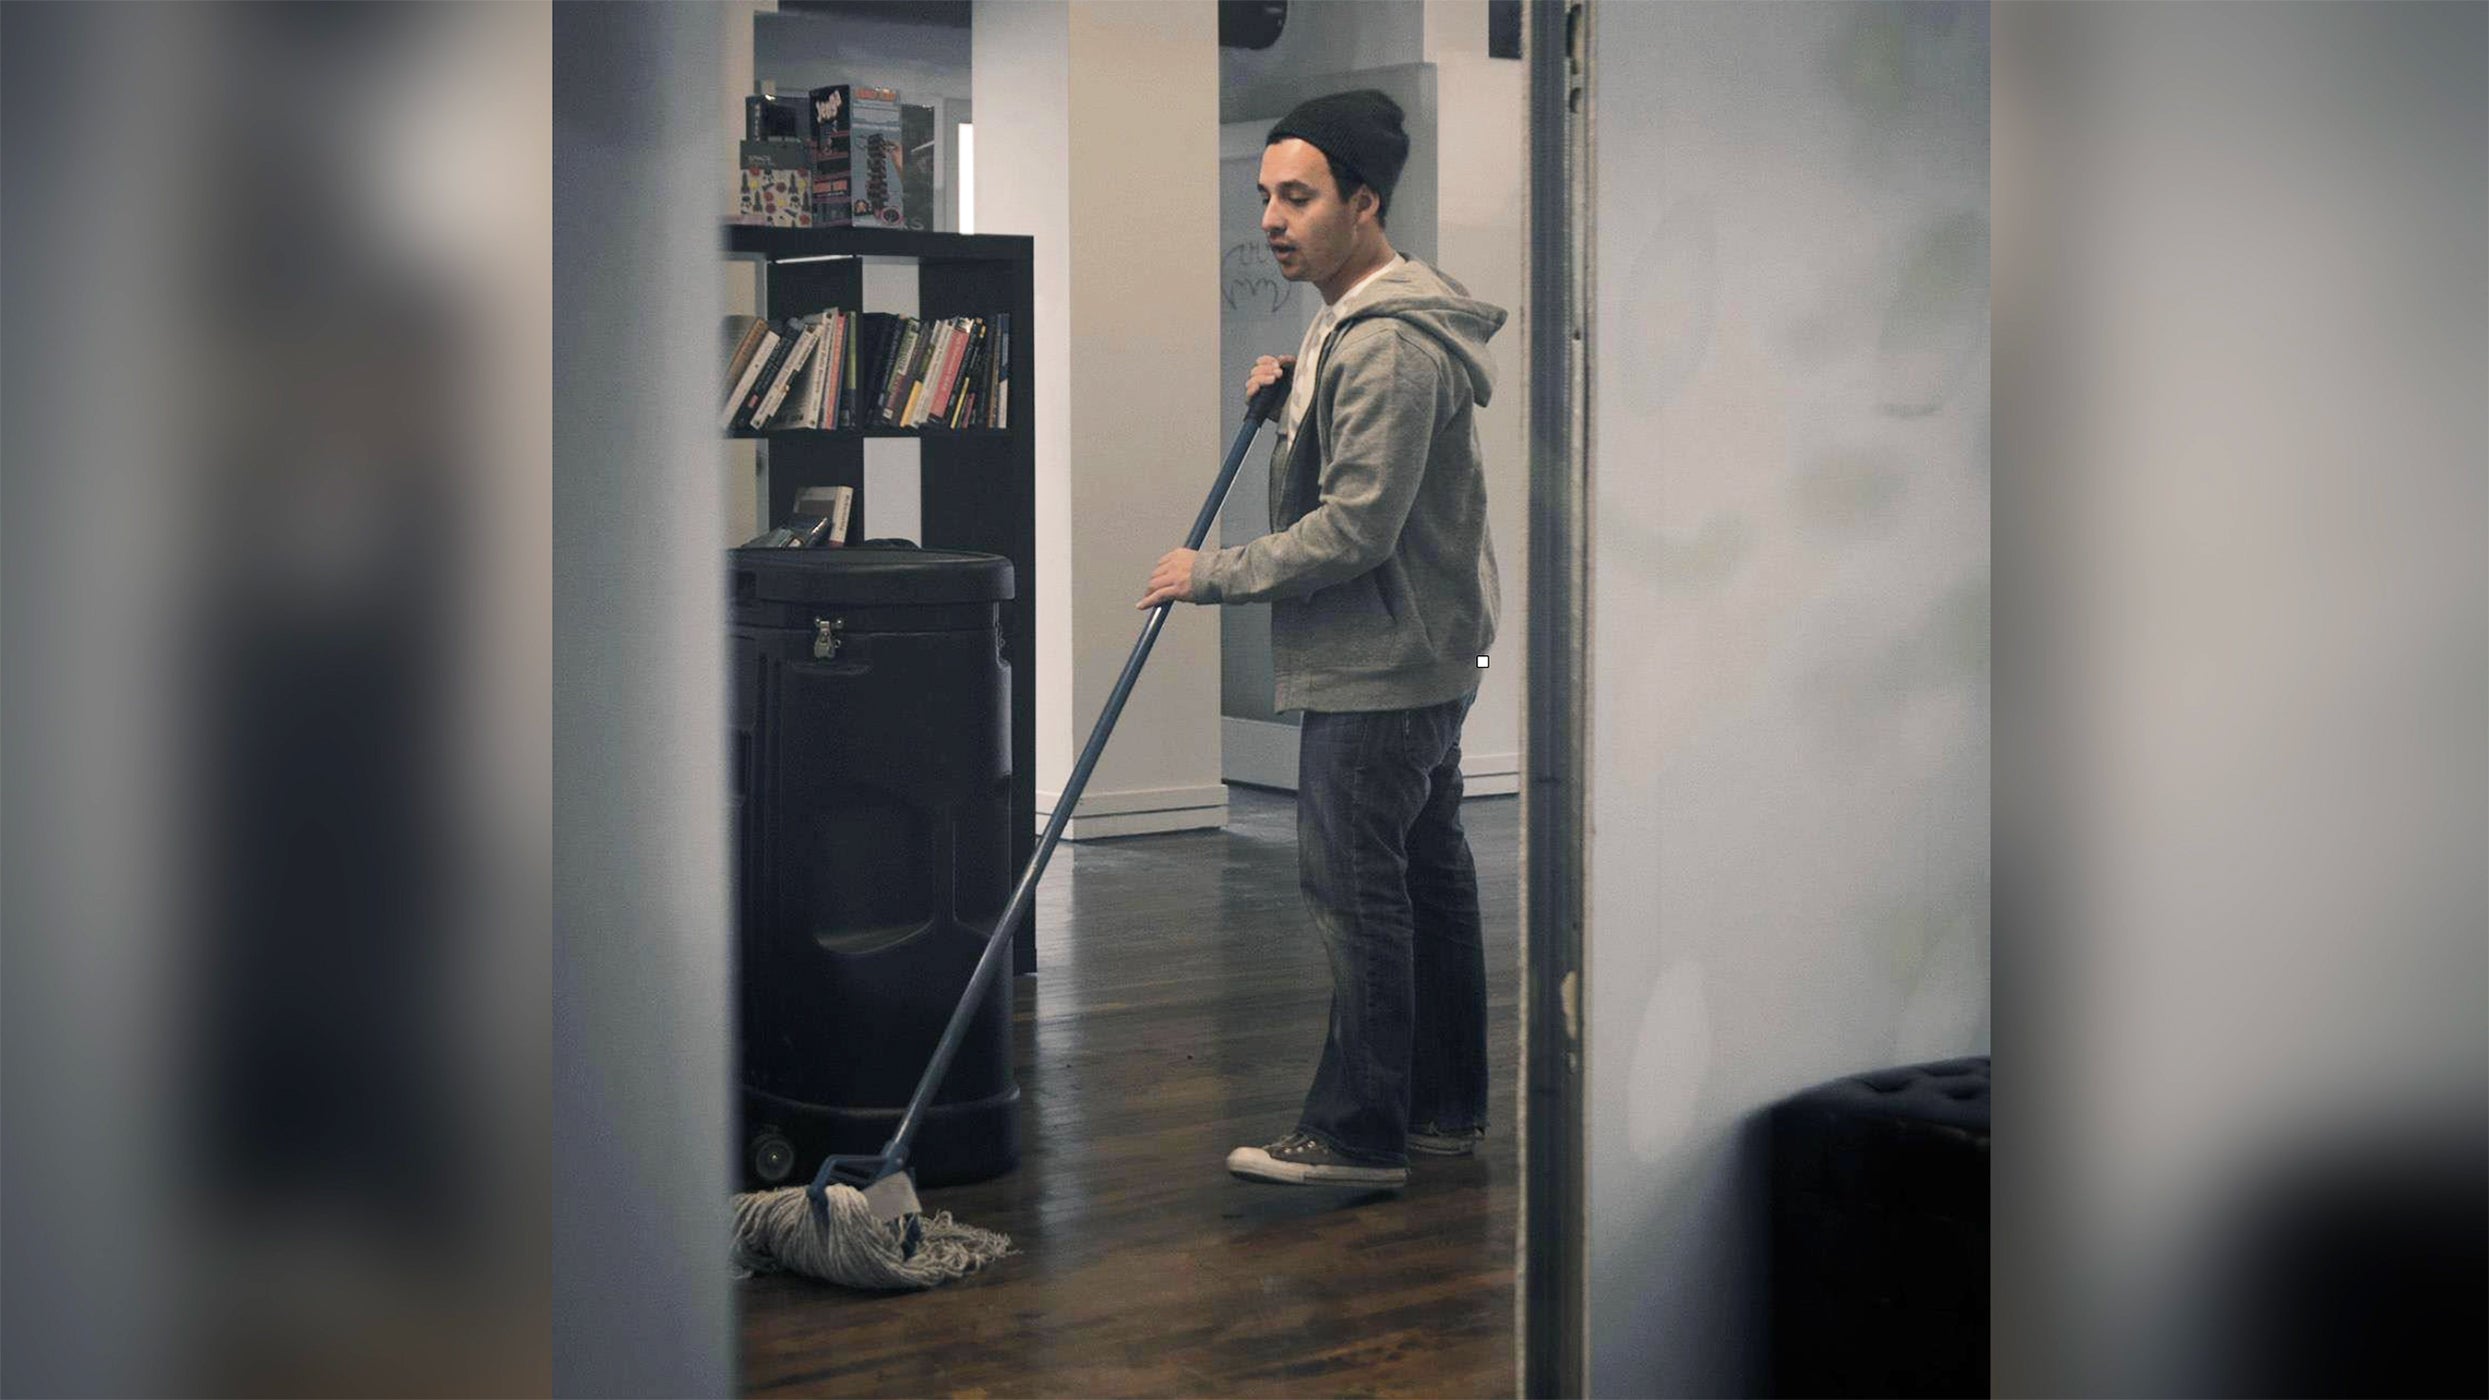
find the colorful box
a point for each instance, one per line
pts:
(777, 185)
(826, 131)
(877, 136)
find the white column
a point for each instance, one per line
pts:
(1097, 134)
(1482, 215)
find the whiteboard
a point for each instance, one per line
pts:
(1260, 313)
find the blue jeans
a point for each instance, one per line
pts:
(1388, 878)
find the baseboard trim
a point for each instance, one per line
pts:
(1263, 754)
(1139, 811)
(1258, 751)
(1490, 774)
(1128, 800)
(1146, 823)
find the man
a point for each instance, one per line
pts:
(1383, 595)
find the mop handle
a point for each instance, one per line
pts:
(989, 966)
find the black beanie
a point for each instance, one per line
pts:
(1360, 130)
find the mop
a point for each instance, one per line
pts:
(859, 1222)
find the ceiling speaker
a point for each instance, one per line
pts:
(1251, 24)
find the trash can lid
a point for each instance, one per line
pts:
(870, 576)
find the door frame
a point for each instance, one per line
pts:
(1555, 777)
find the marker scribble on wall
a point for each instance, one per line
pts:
(1249, 280)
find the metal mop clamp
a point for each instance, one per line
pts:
(883, 1177)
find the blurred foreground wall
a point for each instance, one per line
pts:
(2242, 642)
(278, 665)
(641, 951)
(1789, 565)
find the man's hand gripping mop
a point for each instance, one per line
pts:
(859, 1222)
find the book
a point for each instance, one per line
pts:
(908, 335)
(806, 337)
(878, 152)
(777, 185)
(967, 403)
(788, 332)
(972, 415)
(914, 384)
(742, 333)
(743, 338)
(818, 520)
(999, 407)
(956, 416)
(972, 373)
(833, 356)
(881, 344)
(757, 377)
(748, 387)
(954, 340)
(871, 333)
(946, 385)
(820, 516)
(855, 349)
(929, 369)
(938, 359)
(971, 367)
(802, 407)
(842, 506)
(851, 335)
(824, 374)
(789, 384)
(916, 135)
(959, 372)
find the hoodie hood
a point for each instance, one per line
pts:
(1418, 295)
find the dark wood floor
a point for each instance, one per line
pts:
(1178, 1013)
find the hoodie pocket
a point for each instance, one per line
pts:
(1391, 589)
(1368, 624)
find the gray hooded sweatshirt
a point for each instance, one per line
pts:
(1378, 569)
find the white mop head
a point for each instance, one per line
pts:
(778, 1232)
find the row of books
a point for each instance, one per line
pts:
(867, 369)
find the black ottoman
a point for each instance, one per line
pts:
(1879, 1212)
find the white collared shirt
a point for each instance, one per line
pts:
(1309, 354)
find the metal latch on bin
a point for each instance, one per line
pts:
(825, 639)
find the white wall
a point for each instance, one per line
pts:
(1333, 36)
(1789, 669)
(1482, 239)
(1462, 204)
(802, 50)
(1101, 141)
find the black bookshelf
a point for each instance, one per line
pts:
(766, 434)
(978, 486)
(785, 244)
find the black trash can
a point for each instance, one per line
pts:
(872, 770)
(1879, 1211)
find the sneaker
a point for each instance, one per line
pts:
(1299, 1160)
(1435, 1142)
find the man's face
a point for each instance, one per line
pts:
(1309, 230)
